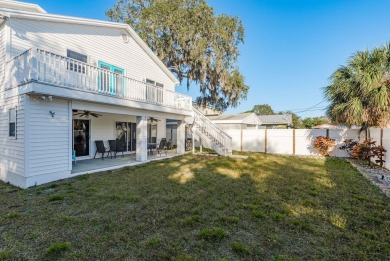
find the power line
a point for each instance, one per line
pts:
(313, 109)
(303, 110)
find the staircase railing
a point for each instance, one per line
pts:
(222, 142)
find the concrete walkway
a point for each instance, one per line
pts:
(98, 165)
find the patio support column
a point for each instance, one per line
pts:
(161, 130)
(181, 137)
(142, 144)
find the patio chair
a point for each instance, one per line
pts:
(74, 157)
(100, 149)
(116, 146)
(162, 146)
(150, 148)
(169, 144)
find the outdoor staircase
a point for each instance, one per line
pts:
(211, 135)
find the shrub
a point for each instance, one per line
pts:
(323, 145)
(365, 150)
(379, 152)
(348, 146)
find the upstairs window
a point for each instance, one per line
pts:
(12, 123)
(150, 82)
(154, 95)
(73, 65)
(154, 83)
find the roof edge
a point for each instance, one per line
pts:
(24, 4)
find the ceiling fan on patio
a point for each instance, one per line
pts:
(152, 120)
(86, 114)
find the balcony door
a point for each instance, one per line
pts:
(111, 80)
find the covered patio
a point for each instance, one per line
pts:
(133, 132)
(98, 165)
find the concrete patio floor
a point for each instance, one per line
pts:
(98, 165)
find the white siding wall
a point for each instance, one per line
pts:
(12, 167)
(2, 55)
(48, 137)
(12, 149)
(99, 43)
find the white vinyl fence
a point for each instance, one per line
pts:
(299, 141)
(296, 142)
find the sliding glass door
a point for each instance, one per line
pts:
(81, 137)
(126, 133)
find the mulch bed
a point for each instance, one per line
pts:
(378, 176)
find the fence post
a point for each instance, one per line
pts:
(293, 141)
(327, 133)
(265, 140)
(241, 138)
(381, 141)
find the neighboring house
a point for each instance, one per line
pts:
(236, 121)
(278, 121)
(251, 121)
(327, 126)
(66, 82)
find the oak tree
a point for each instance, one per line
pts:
(197, 45)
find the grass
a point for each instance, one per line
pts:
(240, 248)
(58, 248)
(265, 207)
(56, 198)
(212, 234)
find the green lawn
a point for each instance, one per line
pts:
(201, 208)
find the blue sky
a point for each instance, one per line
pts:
(291, 46)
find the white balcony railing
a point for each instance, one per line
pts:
(46, 67)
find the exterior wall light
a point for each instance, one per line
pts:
(125, 37)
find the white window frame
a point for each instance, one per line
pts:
(15, 121)
(154, 83)
(74, 67)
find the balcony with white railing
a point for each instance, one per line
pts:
(36, 65)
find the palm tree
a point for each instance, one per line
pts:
(359, 92)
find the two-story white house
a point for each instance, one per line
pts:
(66, 82)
